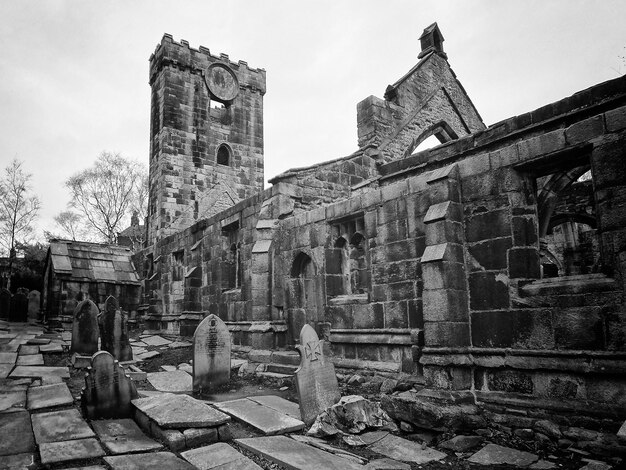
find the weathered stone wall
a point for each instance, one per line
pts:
(187, 182)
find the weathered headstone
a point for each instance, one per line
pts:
(211, 354)
(108, 390)
(316, 381)
(34, 298)
(85, 328)
(5, 303)
(114, 331)
(19, 308)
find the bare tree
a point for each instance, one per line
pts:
(18, 210)
(104, 193)
(72, 226)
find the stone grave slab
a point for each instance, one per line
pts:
(323, 445)
(46, 396)
(279, 404)
(316, 381)
(16, 432)
(54, 347)
(123, 436)
(386, 464)
(85, 330)
(160, 460)
(114, 331)
(219, 456)
(13, 399)
(25, 460)
(64, 425)
(172, 411)
(39, 371)
(211, 354)
(34, 297)
(5, 369)
(8, 358)
(178, 345)
(147, 355)
(30, 360)
(176, 381)
(266, 420)
(65, 451)
(27, 349)
(407, 451)
(156, 341)
(108, 390)
(493, 454)
(295, 455)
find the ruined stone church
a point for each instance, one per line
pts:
(490, 268)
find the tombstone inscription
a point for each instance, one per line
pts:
(5, 303)
(85, 328)
(108, 390)
(316, 381)
(114, 331)
(211, 354)
(19, 308)
(34, 298)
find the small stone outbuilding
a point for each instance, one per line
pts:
(76, 271)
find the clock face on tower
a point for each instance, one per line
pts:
(222, 82)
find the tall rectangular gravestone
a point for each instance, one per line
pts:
(34, 298)
(5, 303)
(114, 331)
(19, 308)
(85, 328)
(108, 390)
(316, 381)
(211, 354)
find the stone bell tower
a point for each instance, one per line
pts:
(206, 135)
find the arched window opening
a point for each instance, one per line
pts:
(359, 274)
(224, 155)
(435, 135)
(428, 143)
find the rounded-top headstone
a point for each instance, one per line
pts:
(211, 354)
(85, 328)
(114, 331)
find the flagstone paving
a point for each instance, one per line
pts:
(171, 411)
(46, 396)
(267, 420)
(64, 451)
(30, 360)
(295, 455)
(16, 432)
(156, 460)
(12, 399)
(279, 404)
(176, 381)
(39, 371)
(218, 456)
(63, 425)
(123, 436)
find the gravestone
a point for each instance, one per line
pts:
(85, 328)
(108, 390)
(211, 354)
(5, 303)
(316, 381)
(34, 298)
(114, 331)
(19, 308)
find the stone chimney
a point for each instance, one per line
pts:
(431, 40)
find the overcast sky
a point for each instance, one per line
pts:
(74, 74)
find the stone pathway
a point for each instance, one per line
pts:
(41, 426)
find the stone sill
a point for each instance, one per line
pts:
(568, 285)
(378, 366)
(379, 336)
(577, 361)
(349, 299)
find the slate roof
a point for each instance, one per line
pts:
(83, 261)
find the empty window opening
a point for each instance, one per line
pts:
(178, 258)
(224, 155)
(232, 268)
